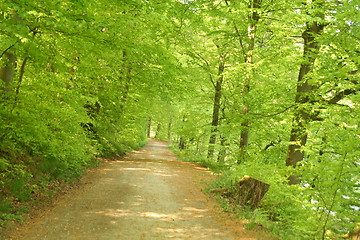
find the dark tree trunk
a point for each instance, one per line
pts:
(244, 136)
(304, 94)
(7, 71)
(149, 127)
(223, 139)
(222, 152)
(182, 140)
(216, 108)
(158, 131)
(182, 143)
(21, 76)
(169, 130)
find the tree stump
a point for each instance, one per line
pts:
(250, 191)
(354, 234)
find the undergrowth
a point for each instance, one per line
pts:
(295, 212)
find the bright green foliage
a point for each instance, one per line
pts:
(81, 85)
(325, 204)
(88, 76)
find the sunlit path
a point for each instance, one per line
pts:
(147, 195)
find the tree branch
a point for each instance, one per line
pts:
(271, 144)
(340, 95)
(7, 49)
(274, 114)
(238, 34)
(208, 65)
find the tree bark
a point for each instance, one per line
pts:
(223, 139)
(21, 76)
(149, 127)
(216, 108)
(248, 192)
(158, 131)
(182, 143)
(169, 130)
(251, 191)
(222, 152)
(304, 94)
(182, 140)
(7, 71)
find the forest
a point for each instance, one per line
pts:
(264, 88)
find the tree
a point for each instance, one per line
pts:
(325, 91)
(216, 105)
(248, 54)
(82, 85)
(82, 79)
(305, 89)
(7, 71)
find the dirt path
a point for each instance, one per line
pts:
(147, 195)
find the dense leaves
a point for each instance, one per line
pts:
(77, 79)
(299, 89)
(244, 86)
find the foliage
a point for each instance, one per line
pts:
(325, 204)
(86, 79)
(77, 88)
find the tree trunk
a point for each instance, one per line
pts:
(149, 127)
(182, 143)
(182, 140)
(222, 152)
(304, 93)
(169, 130)
(216, 108)
(158, 131)
(7, 71)
(223, 139)
(244, 136)
(21, 76)
(245, 124)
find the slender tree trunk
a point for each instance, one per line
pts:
(216, 108)
(304, 94)
(158, 131)
(244, 135)
(21, 75)
(223, 140)
(149, 127)
(222, 152)
(249, 60)
(182, 140)
(182, 143)
(169, 130)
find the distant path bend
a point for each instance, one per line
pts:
(149, 194)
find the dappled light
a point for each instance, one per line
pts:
(117, 216)
(155, 98)
(182, 214)
(149, 171)
(138, 197)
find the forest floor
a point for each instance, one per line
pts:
(149, 194)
